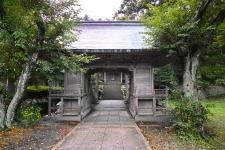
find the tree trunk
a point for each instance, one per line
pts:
(2, 113)
(25, 75)
(2, 11)
(191, 63)
(10, 86)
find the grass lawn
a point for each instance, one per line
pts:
(165, 139)
(216, 125)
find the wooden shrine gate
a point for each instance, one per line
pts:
(120, 62)
(78, 95)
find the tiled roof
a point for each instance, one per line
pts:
(110, 35)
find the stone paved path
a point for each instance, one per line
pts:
(111, 129)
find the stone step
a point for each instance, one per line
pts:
(109, 108)
(110, 105)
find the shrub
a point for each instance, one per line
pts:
(28, 115)
(100, 89)
(189, 118)
(123, 91)
(6, 96)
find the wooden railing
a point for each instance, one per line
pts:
(64, 92)
(158, 93)
(161, 96)
(162, 93)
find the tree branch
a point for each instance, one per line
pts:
(219, 18)
(2, 11)
(201, 10)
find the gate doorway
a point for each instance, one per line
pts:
(110, 85)
(113, 85)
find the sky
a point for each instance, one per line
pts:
(96, 9)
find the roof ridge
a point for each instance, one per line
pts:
(125, 21)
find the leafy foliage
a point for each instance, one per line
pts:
(186, 29)
(124, 91)
(168, 24)
(133, 9)
(37, 38)
(220, 38)
(212, 69)
(28, 115)
(6, 96)
(18, 34)
(166, 76)
(189, 118)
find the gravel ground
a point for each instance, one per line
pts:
(41, 137)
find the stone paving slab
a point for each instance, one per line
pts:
(105, 130)
(109, 138)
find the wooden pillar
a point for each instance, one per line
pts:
(135, 92)
(65, 79)
(134, 76)
(127, 85)
(49, 105)
(62, 105)
(82, 81)
(154, 105)
(81, 93)
(104, 77)
(167, 94)
(152, 78)
(96, 87)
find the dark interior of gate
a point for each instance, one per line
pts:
(124, 71)
(109, 84)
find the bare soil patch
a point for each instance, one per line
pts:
(43, 136)
(161, 137)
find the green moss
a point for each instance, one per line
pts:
(40, 88)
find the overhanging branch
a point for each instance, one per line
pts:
(219, 18)
(2, 11)
(201, 10)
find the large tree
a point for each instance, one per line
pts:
(186, 28)
(134, 9)
(35, 33)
